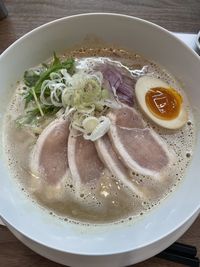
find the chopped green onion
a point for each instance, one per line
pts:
(37, 102)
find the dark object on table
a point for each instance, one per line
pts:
(181, 253)
(3, 10)
(198, 42)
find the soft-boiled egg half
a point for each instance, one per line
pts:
(160, 102)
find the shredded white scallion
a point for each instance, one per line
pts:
(81, 97)
(89, 124)
(102, 128)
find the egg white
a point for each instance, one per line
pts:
(143, 85)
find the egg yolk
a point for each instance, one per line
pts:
(164, 103)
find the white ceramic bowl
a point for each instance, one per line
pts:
(106, 245)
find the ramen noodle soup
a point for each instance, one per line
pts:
(98, 135)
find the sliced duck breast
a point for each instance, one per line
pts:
(84, 162)
(49, 158)
(141, 149)
(126, 117)
(115, 165)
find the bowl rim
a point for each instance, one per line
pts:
(147, 245)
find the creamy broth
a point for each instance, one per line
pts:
(107, 200)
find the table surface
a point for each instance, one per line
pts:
(25, 15)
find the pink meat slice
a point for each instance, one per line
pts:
(114, 164)
(84, 163)
(141, 149)
(49, 158)
(126, 117)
